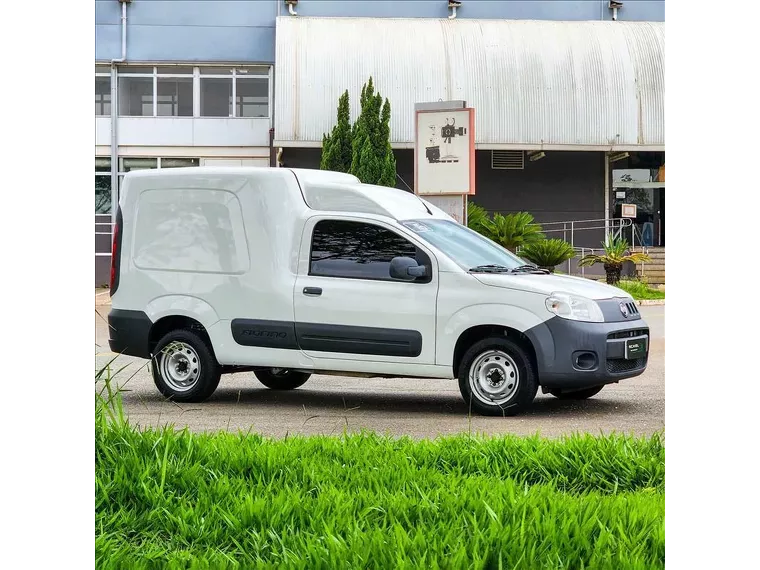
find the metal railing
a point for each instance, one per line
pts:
(615, 227)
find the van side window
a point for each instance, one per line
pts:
(357, 250)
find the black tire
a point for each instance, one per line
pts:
(521, 395)
(577, 394)
(196, 352)
(281, 378)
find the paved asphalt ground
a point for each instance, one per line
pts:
(418, 408)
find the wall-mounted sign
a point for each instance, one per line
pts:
(638, 178)
(444, 151)
(628, 210)
(620, 195)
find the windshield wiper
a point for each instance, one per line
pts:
(529, 269)
(489, 269)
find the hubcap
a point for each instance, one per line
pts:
(180, 366)
(494, 378)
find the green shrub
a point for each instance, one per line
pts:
(477, 218)
(639, 290)
(548, 253)
(515, 230)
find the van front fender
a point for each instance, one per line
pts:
(182, 306)
(512, 316)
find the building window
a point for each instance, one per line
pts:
(128, 164)
(179, 162)
(247, 87)
(136, 92)
(102, 91)
(169, 91)
(102, 185)
(357, 250)
(174, 91)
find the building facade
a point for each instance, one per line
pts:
(569, 114)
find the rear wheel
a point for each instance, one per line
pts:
(577, 394)
(496, 377)
(282, 378)
(184, 367)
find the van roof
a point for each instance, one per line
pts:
(326, 190)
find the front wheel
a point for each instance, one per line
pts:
(281, 378)
(576, 394)
(496, 377)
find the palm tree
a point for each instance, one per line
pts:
(615, 255)
(477, 218)
(548, 253)
(514, 230)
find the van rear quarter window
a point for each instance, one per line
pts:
(341, 248)
(190, 230)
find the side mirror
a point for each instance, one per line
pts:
(406, 269)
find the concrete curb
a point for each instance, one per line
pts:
(650, 302)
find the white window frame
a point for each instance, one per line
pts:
(255, 72)
(106, 74)
(260, 72)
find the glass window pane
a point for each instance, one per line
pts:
(129, 164)
(103, 69)
(252, 70)
(102, 194)
(216, 97)
(179, 162)
(136, 96)
(356, 250)
(133, 69)
(102, 96)
(175, 97)
(216, 71)
(252, 97)
(102, 164)
(174, 70)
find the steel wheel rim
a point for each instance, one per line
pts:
(180, 366)
(494, 377)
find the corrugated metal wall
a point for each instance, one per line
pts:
(557, 84)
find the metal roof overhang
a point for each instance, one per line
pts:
(535, 85)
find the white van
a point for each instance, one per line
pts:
(288, 273)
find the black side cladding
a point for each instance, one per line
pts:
(359, 340)
(265, 334)
(327, 338)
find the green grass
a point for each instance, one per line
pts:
(640, 290)
(168, 499)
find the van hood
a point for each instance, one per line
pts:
(548, 284)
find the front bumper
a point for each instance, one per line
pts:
(575, 355)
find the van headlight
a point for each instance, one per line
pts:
(574, 308)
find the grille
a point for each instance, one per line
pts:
(617, 365)
(632, 308)
(628, 334)
(507, 159)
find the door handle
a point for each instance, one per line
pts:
(312, 291)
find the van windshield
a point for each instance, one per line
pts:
(466, 247)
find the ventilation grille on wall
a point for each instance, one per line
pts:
(507, 159)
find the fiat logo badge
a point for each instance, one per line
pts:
(624, 309)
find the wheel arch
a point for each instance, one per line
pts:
(477, 333)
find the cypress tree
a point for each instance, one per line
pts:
(337, 147)
(372, 160)
(364, 148)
